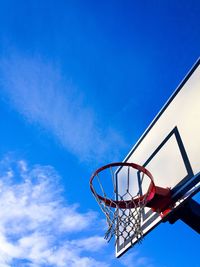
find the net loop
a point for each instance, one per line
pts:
(123, 208)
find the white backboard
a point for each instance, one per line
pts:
(170, 148)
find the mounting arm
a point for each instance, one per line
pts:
(189, 213)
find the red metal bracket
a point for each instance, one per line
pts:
(162, 200)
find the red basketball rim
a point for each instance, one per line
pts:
(124, 204)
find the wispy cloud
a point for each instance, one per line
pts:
(135, 259)
(36, 225)
(39, 91)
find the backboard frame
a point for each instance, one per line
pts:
(182, 190)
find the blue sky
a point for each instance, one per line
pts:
(79, 83)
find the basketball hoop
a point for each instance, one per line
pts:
(123, 209)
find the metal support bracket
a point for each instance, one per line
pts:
(189, 213)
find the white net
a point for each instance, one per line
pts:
(121, 203)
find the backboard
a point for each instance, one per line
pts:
(170, 149)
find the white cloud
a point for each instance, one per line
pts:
(39, 92)
(93, 243)
(73, 219)
(134, 259)
(35, 223)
